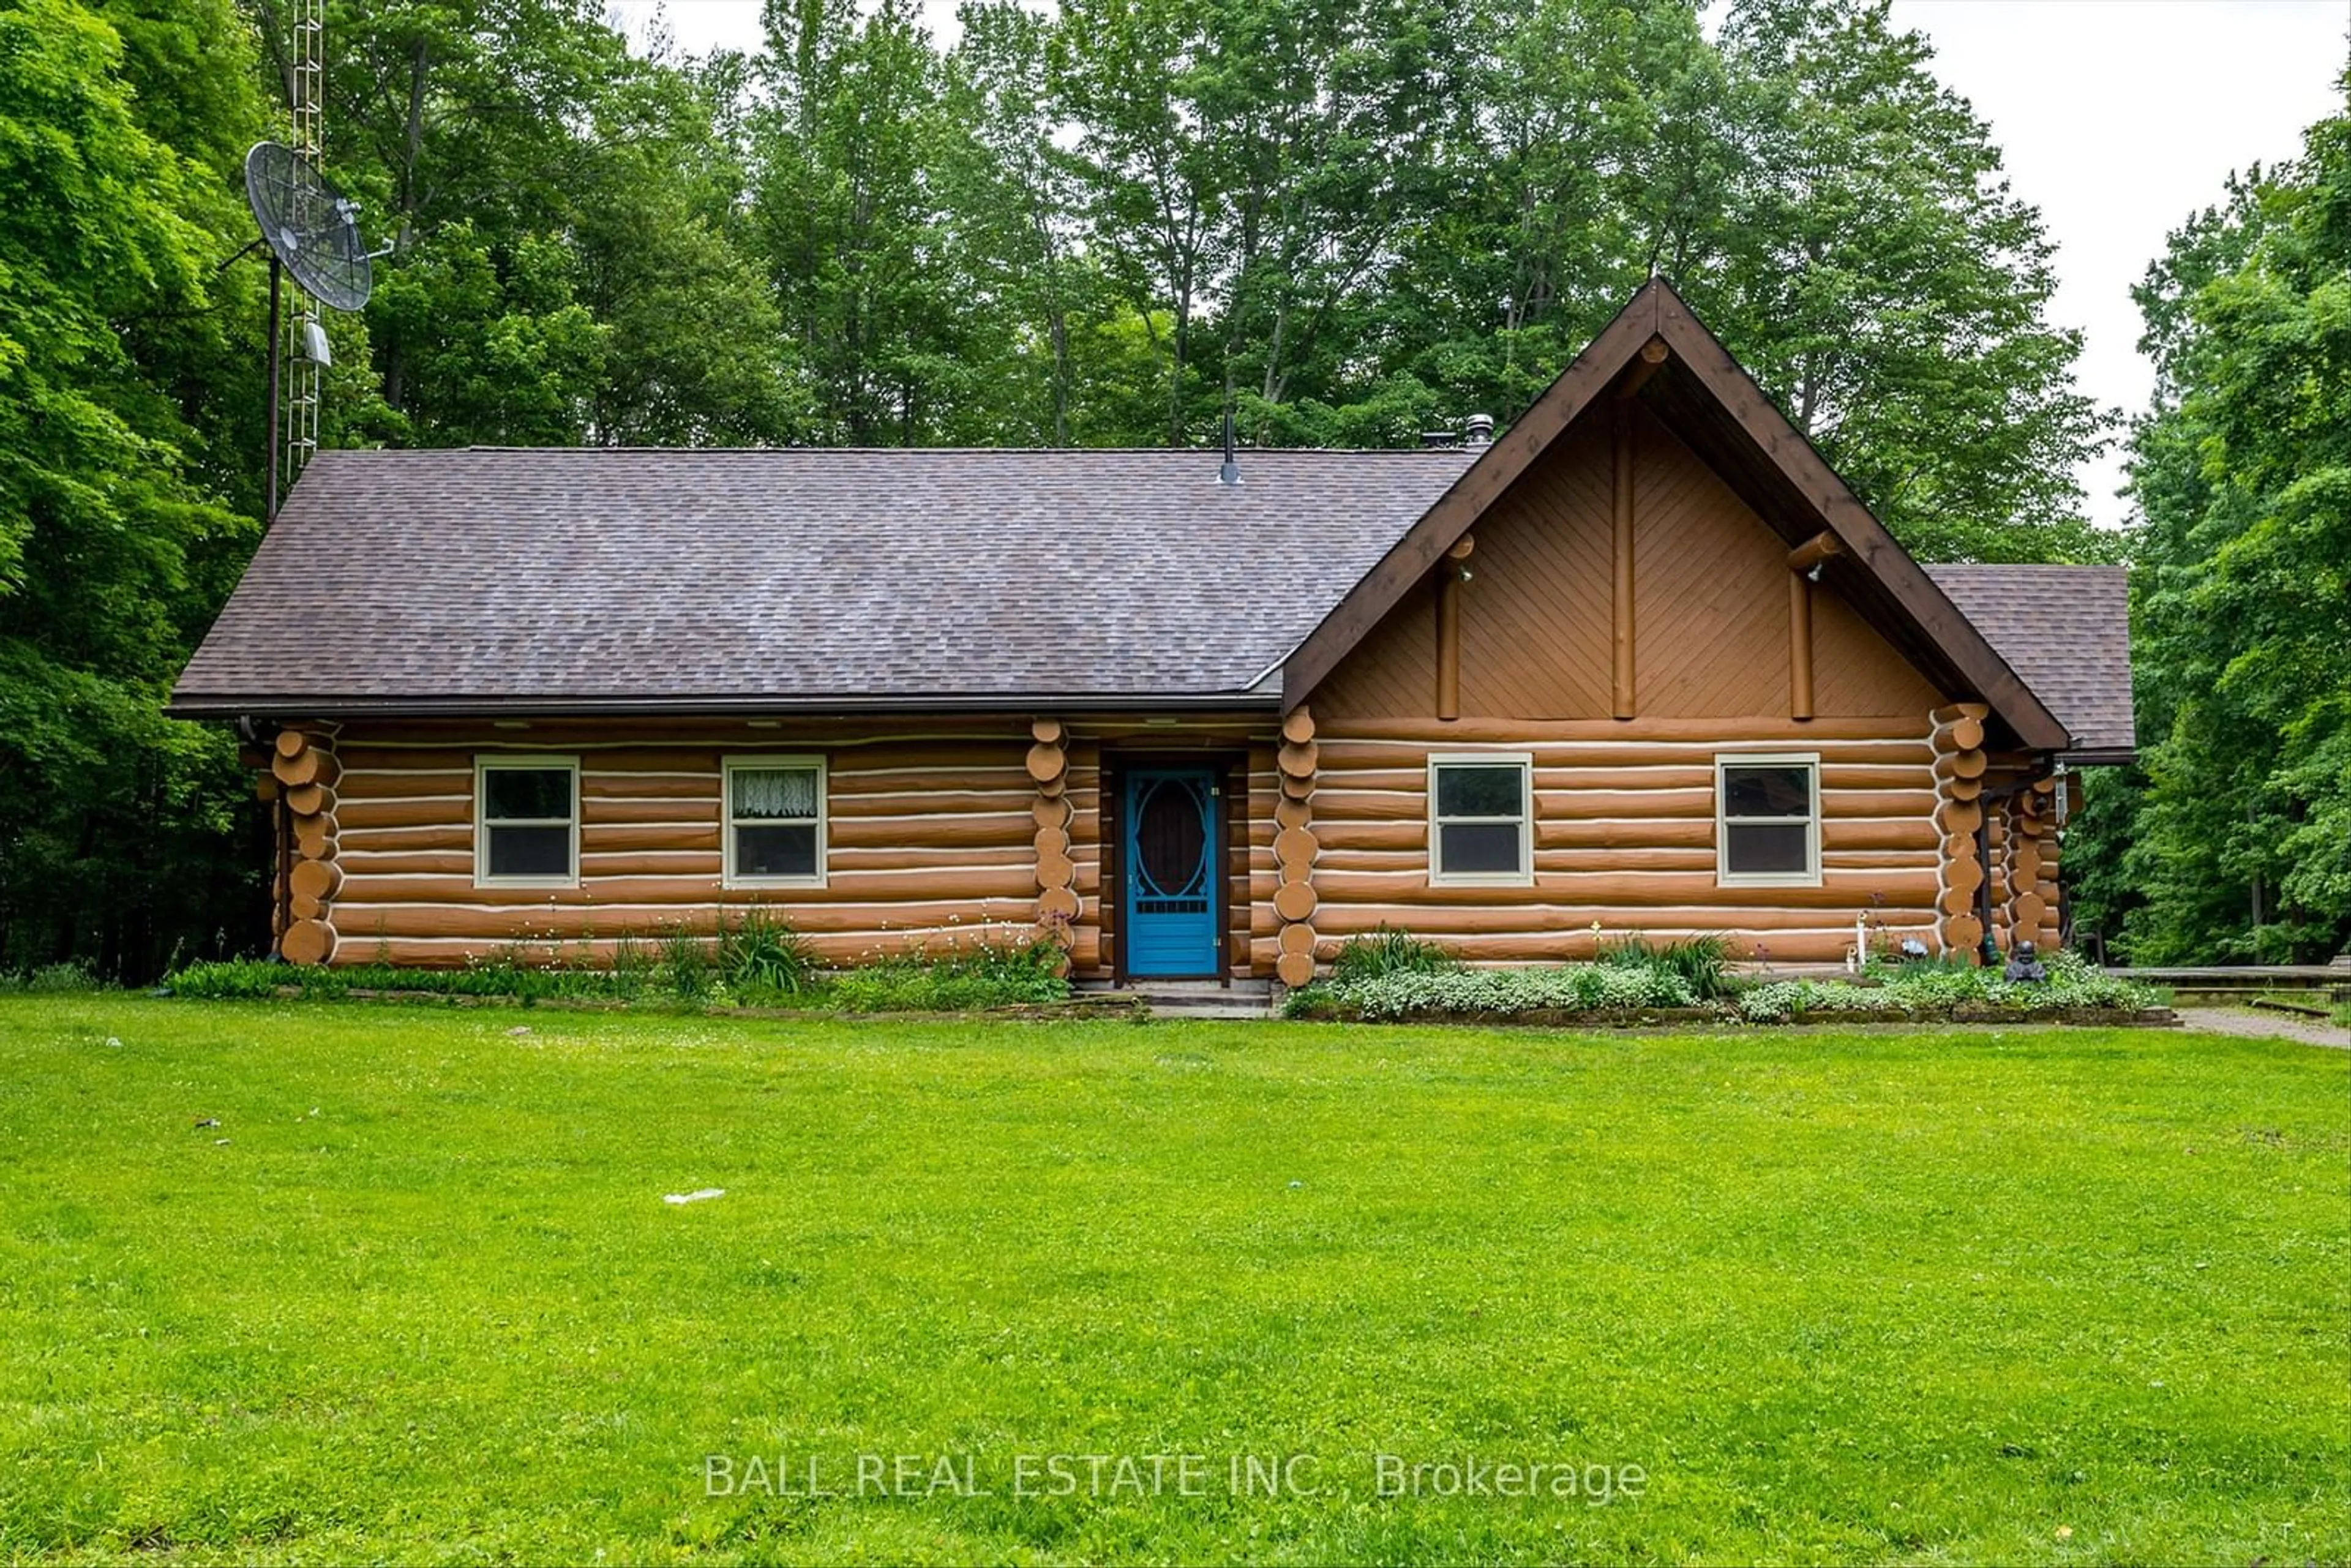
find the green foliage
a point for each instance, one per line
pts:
(756, 958)
(52, 979)
(686, 962)
(115, 538)
(1930, 990)
(506, 976)
(1499, 993)
(2242, 596)
(1630, 976)
(1698, 962)
(1387, 951)
(982, 972)
(225, 981)
(760, 954)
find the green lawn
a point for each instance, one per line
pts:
(2033, 1296)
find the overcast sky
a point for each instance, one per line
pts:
(2118, 117)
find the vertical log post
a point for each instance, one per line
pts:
(1294, 848)
(1800, 646)
(2051, 929)
(303, 766)
(1998, 844)
(1803, 562)
(1960, 765)
(1621, 553)
(1652, 355)
(1057, 898)
(1451, 572)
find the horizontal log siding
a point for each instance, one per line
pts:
(930, 836)
(1623, 835)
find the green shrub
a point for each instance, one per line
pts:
(757, 956)
(983, 973)
(229, 980)
(1699, 961)
(762, 954)
(1563, 987)
(686, 962)
(1934, 988)
(1388, 951)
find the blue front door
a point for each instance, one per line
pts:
(1171, 869)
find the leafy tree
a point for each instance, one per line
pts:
(107, 268)
(852, 238)
(2242, 471)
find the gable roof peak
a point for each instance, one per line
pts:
(1657, 349)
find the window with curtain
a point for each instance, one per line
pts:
(774, 821)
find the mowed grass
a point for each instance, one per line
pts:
(2027, 1296)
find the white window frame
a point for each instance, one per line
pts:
(486, 764)
(1723, 875)
(1524, 876)
(727, 768)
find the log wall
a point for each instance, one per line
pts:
(933, 833)
(1624, 838)
(936, 830)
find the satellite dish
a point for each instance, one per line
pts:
(309, 227)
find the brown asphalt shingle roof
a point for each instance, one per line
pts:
(801, 575)
(491, 577)
(2066, 630)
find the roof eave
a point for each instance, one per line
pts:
(313, 705)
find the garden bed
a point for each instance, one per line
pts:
(1393, 977)
(1329, 1010)
(1077, 1005)
(752, 962)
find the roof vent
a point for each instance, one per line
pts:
(1478, 430)
(1435, 439)
(1230, 473)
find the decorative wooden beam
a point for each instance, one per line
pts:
(1800, 646)
(1814, 551)
(1623, 551)
(1450, 574)
(1637, 374)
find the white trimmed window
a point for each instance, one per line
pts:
(527, 821)
(1767, 820)
(775, 822)
(1480, 820)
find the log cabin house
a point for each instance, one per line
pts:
(1642, 664)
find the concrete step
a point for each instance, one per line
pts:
(1196, 998)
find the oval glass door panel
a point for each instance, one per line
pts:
(1169, 836)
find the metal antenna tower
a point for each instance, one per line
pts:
(306, 91)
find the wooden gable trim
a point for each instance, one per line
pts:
(1863, 537)
(1657, 314)
(1480, 487)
